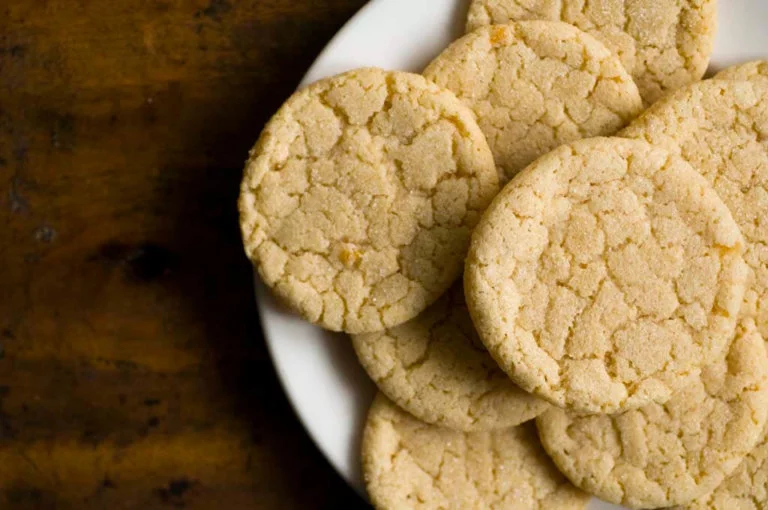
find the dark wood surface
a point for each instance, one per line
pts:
(133, 373)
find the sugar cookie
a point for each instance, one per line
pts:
(664, 44)
(359, 198)
(436, 368)
(720, 127)
(745, 489)
(605, 275)
(671, 454)
(535, 85)
(409, 464)
(751, 71)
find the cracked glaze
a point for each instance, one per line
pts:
(409, 464)
(605, 275)
(662, 455)
(359, 198)
(664, 44)
(536, 85)
(436, 368)
(720, 127)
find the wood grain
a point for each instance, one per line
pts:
(133, 373)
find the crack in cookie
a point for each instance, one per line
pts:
(606, 275)
(436, 368)
(664, 44)
(410, 464)
(536, 85)
(359, 198)
(671, 454)
(721, 128)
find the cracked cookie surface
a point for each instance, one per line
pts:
(746, 488)
(410, 464)
(664, 44)
(671, 454)
(358, 200)
(535, 85)
(756, 70)
(436, 368)
(605, 275)
(721, 128)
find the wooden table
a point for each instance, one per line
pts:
(133, 372)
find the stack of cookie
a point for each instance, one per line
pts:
(614, 261)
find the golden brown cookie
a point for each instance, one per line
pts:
(664, 44)
(720, 127)
(436, 368)
(606, 275)
(671, 454)
(536, 85)
(409, 464)
(359, 198)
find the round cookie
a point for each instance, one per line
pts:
(671, 454)
(664, 44)
(436, 368)
(745, 489)
(751, 71)
(605, 275)
(720, 127)
(359, 198)
(410, 464)
(535, 85)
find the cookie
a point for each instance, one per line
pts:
(605, 275)
(436, 368)
(745, 489)
(751, 71)
(720, 127)
(671, 454)
(359, 198)
(664, 44)
(535, 85)
(410, 464)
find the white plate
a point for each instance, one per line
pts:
(327, 388)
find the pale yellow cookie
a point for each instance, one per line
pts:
(745, 489)
(359, 198)
(664, 44)
(408, 464)
(720, 127)
(750, 71)
(671, 454)
(536, 85)
(605, 275)
(436, 368)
